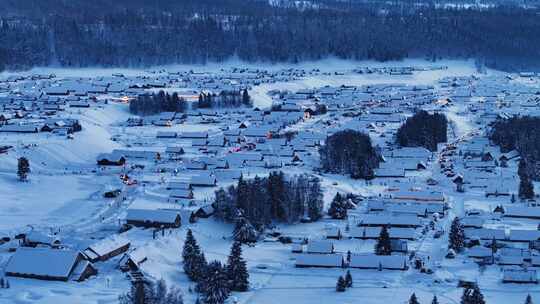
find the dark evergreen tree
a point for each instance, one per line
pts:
(529, 300)
(246, 99)
(260, 201)
(224, 205)
(477, 296)
(194, 260)
(314, 198)
(23, 168)
(383, 245)
(237, 269)
(338, 208)
(349, 152)
(145, 292)
(423, 130)
(341, 285)
(526, 188)
(413, 299)
(435, 300)
(348, 279)
(456, 237)
(214, 286)
(472, 295)
(244, 232)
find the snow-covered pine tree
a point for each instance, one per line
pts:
(214, 286)
(141, 293)
(237, 270)
(315, 202)
(244, 232)
(529, 300)
(383, 245)
(526, 188)
(348, 279)
(194, 261)
(341, 285)
(225, 208)
(413, 299)
(456, 238)
(246, 99)
(472, 295)
(466, 296)
(23, 168)
(477, 296)
(338, 208)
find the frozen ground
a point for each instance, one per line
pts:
(66, 195)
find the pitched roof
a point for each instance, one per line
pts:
(159, 216)
(372, 261)
(42, 262)
(319, 260)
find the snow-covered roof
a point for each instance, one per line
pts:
(520, 276)
(525, 212)
(319, 260)
(518, 235)
(44, 262)
(382, 220)
(159, 216)
(372, 261)
(320, 246)
(375, 232)
(108, 245)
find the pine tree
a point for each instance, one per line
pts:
(529, 300)
(341, 285)
(246, 99)
(315, 202)
(146, 292)
(435, 300)
(140, 293)
(224, 205)
(413, 299)
(477, 296)
(348, 279)
(194, 261)
(23, 168)
(237, 270)
(456, 238)
(472, 295)
(244, 232)
(214, 286)
(526, 188)
(383, 246)
(338, 208)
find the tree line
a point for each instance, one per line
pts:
(225, 99)
(349, 152)
(423, 130)
(260, 201)
(134, 33)
(521, 133)
(150, 104)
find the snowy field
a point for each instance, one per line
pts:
(64, 195)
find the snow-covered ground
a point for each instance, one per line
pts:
(65, 194)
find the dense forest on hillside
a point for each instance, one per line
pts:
(141, 33)
(423, 130)
(275, 198)
(523, 135)
(349, 152)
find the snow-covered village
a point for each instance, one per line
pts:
(269, 151)
(328, 182)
